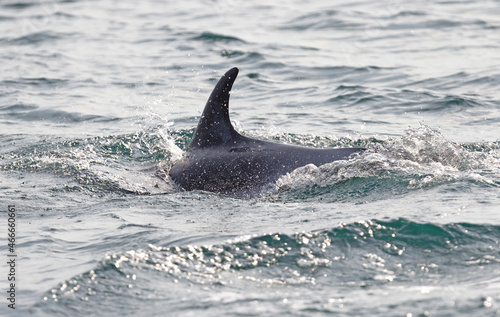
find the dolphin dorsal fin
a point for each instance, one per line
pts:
(215, 127)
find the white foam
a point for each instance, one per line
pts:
(422, 154)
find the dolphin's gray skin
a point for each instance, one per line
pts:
(221, 160)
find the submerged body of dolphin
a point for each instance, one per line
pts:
(221, 160)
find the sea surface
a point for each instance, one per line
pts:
(99, 98)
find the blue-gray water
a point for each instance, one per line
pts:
(95, 95)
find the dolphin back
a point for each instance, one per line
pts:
(219, 159)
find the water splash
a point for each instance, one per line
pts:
(422, 157)
(122, 164)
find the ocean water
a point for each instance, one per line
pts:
(97, 97)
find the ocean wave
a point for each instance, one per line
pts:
(323, 20)
(356, 257)
(37, 37)
(214, 37)
(36, 82)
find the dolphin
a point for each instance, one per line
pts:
(219, 159)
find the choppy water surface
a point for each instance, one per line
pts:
(96, 95)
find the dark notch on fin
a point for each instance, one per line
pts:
(215, 127)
